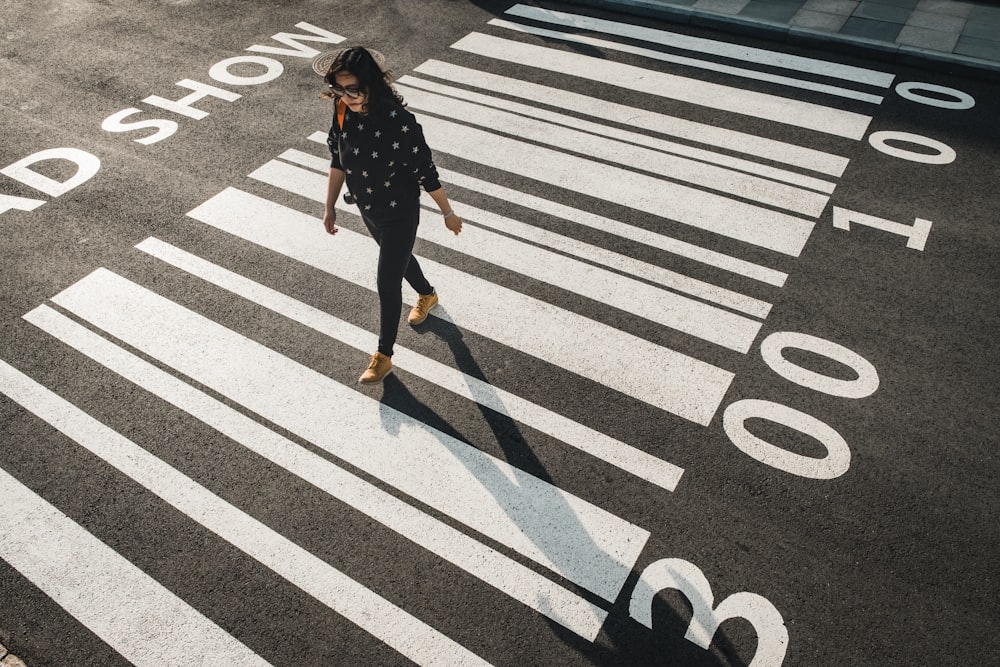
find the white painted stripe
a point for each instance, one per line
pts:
(709, 211)
(398, 629)
(576, 123)
(637, 234)
(683, 314)
(624, 153)
(714, 96)
(589, 546)
(741, 329)
(709, 46)
(647, 121)
(617, 453)
(129, 610)
(630, 232)
(483, 562)
(684, 386)
(729, 70)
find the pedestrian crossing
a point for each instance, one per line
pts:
(513, 116)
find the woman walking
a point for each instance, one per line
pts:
(378, 149)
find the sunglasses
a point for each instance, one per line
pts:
(352, 92)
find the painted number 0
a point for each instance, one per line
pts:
(838, 455)
(678, 574)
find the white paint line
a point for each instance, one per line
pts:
(129, 610)
(589, 546)
(398, 629)
(629, 155)
(711, 95)
(533, 112)
(709, 211)
(646, 121)
(617, 453)
(479, 560)
(695, 318)
(697, 63)
(601, 256)
(680, 384)
(708, 46)
(684, 249)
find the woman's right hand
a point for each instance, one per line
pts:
(330, 221)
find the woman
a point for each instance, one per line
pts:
(378, 148)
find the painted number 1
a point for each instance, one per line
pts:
(915, 234)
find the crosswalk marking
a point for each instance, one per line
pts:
(730, 70)
(408, 635)
(674, 246)
(623, 153)
(594, 254)
(607, 449)
(483, 562)
(702, 320)
(650, 121)
(602, 257)
(589, 546)
(552, 551)
(687, 387)
(713, 47)
(712, 212)
(129, 610)
(688, 170)
(789, 111)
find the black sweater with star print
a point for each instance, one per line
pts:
(385, 158)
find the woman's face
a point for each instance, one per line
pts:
(347, 86)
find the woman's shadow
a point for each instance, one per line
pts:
(629, 641)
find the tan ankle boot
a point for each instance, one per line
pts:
(377, 369)
(424, 304)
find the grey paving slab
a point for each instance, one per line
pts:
(903, 4)
(935, 40)
(947, 7)
(974, 47)
(985, 14)
(982, 31)
(728, 7)
(878, 11)
(871, 29)
(844, 7)
(771, 10)
(805, 18)
(935, 21)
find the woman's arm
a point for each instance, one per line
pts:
(451, 219)
(333, 186)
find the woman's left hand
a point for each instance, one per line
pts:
(454, 223)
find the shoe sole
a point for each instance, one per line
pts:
(376, 380)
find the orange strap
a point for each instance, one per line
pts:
(341, 109)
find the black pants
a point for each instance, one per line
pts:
(395, 236)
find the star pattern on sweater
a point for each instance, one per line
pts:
(365, 160)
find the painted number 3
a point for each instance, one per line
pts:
(678, 574)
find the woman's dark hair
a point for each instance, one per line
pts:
(373, 82)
